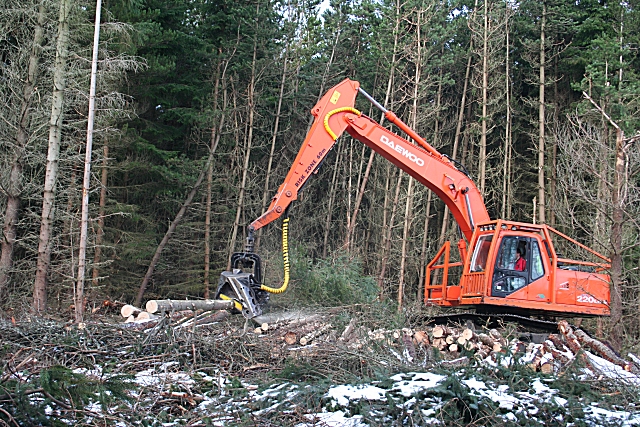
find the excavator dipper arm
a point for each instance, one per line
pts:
(334, 114)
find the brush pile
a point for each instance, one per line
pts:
(301, 334)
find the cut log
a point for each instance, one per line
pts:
(604, 351)
(156, 306)
(496, 347)
(290, 338)
(439, 343)
(348, 331)
(482, 353)
(450, 339)
(438, 331)
(421, 338)
(315, 334)
(547, 368)
(467, 334)
(265, 327)
(143, 316)
(486, 340)
(462, 340)
(129, 310)
(558, 343)
(453, 348)
(549, 347)
(569, 336)
(299, 317)
(130, 319)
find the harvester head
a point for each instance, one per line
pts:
(243, 283)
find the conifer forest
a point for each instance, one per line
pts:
(202, 105)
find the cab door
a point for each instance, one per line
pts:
(509, 274)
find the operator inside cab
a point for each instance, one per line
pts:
(520, 263)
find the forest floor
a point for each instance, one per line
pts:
(359, 366)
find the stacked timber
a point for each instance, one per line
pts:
(181, 313)
(306, 334)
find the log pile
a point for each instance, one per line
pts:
(307, 334)
(182, 313)
(456, 344)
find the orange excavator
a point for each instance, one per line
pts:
(505, 266)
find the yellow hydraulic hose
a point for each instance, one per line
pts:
(285, 258)
(331, 113)
(236, 304)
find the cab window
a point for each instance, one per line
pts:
(507, 255)
(537, 267)
(480, 255)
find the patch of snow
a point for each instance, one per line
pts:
(613, 371)
(539, 388)
(151, 377)
(333, 419)
(474, 384)
(408, 384)
(600, 415)
(341, 395)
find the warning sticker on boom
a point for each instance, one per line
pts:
(335, 97)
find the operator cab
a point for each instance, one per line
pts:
(519, 263)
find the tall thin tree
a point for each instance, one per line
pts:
(51, 175)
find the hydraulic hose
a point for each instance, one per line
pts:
(336, 111)
(285, 259)
(236, 304)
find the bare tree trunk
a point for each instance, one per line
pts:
(274, 137)
(414, 119)
(84, 223)
(14, 189)
(482, 158)
(617, 221)
(51, 174)
(507, 132)
(554, 151)
(423, 251)
(405, 238)
(541, 184)
(332, 196)
(385, 209)
(454, 153)
(388, 238)
(349, 174)
(213, 144)
(97, 254)
(467, 154)
(247, 154)
(365, 179)
(619, 200)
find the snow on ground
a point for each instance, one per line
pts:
(613, 372)
(368, 404)
(420, 397)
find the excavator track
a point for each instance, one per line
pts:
(497, 320)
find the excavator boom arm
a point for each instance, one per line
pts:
(334, 114)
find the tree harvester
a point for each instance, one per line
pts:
(487, 277)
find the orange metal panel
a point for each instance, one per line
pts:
(473, 284)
